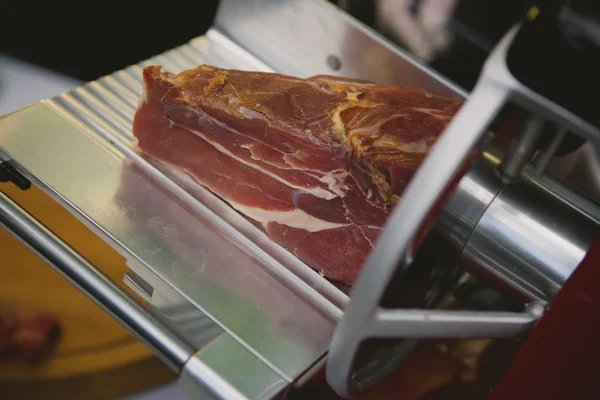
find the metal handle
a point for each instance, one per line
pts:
(123, 307)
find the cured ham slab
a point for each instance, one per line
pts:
(318, 163)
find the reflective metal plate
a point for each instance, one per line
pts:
(79, 148)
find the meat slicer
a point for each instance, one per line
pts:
(238, 317)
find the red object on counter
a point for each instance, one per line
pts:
(560, 358)
(27, 336)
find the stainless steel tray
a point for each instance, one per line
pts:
(208, 274)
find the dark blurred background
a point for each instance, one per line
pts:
(451, 36)
(95, 39)
(90, 41)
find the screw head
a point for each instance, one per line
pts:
(334, 62)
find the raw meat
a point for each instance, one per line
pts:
(318, 163)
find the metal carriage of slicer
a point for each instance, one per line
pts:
(220, 303)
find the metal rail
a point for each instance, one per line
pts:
(123, 307)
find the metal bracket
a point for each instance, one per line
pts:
(138, 285)
(396, 248)
(8, 173)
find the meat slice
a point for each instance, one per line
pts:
(319, 163)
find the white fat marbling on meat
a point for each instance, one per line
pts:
(143, 99)
(269, 160)
(335, 182)
(439, 114)
(420, 146)
(251, 113)
(193, 112)
(294, 219)
(317, 192)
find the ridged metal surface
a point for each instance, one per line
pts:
(108, 104)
